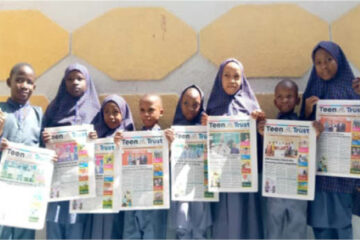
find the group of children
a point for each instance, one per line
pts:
(236, 215)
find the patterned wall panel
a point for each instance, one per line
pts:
(36, 100)
(346, 32)
(270, 40)
(135, 43)
(29, 36)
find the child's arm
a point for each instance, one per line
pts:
(118, 137)
(46, 137)
(204, 118)
(356, 85)
(258, 115)
(93, 135)
(261, 127)
(2, 122)
(309, 105)
(319, 127)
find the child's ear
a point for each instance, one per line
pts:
(297, 100)
(161, 112)
(8, 82)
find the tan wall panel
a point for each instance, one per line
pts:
(270, 40)
(135, 43)
(29, 36)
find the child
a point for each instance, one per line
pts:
(146, 224)
(75, 103)
(114, 115)
(237, 215)
(285, 218)
(193, 222)
(331, 78)
(21, 123)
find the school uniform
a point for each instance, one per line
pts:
(66, 110)
(145, 224)
(236, 215)
(286, 218)
(109, 225)
(330, 214)
(191, 220)
(22, 125)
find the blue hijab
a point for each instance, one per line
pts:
(339, 87)
(220, 103)
(179, 118)
(68, 110)
(127, 122)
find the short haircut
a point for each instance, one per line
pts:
(288, 83)
(18, 66)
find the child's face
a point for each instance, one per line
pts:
(22, 84)
(286, 99)
(112, 115)
(231, 78)
(190, 104)
(150, 112)
(75, 83)
(325, 65)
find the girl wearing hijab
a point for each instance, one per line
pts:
(191, 220)
(114, 115)
(331, 78)
(236, 215)
(76, 103)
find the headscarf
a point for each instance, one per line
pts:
(127, 122)
(339, 87)
(179, 118)
(68, 110)
(220, 103)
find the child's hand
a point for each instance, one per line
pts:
(309, 104)
(46, 137)
(204, 118)
(258, 115)
(2, 122)
(169, 134)
(319, 127)
(261, 127)
(118, 137)
(4, 144)
(55, 158)
(93, 135)
(356, 85)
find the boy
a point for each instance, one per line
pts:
(286, 218)
(21, 123)
(147, 224)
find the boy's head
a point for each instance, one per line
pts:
(21, 82)
(151, 109)
(286, 96)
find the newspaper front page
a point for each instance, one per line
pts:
(144, 182)
(232, 159)
(107, 173)
(74, 172)
(189, 166)
(25, 180)
(289, 159)
(339, 145)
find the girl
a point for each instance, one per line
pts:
(193, 222)
(237, 215)
(331, 78)
(114, 115)
(75, 103)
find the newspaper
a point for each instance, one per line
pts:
(189, 167)
(232, 154)
(25, 180)
(107, 172)
(74, 172)
(289, 159)
(144, 182)
(339, 145)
